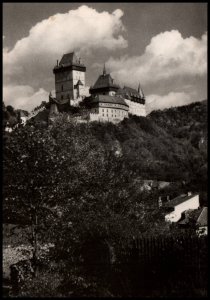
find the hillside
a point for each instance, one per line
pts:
(168, 145)
(74, 183)
(187, 122)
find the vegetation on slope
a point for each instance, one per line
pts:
(77, 183)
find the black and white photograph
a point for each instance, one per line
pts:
(104, 149)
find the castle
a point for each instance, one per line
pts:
(105, 101)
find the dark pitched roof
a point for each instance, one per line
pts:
(128, 93)
(104, 81)
(131, 91)
(79, 83)
(122, 93)
(70, 59)
(108, 99)
(202, 219)
(198, 216)
(178, 200)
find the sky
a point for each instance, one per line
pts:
(162, 46)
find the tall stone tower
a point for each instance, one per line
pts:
(69, 78)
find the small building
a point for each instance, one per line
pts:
(180, 204)
(196, 219)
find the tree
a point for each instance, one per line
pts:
(65, 171)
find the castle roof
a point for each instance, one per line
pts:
(108, 99)
(128, 92)
(105, 81)
(70, 59)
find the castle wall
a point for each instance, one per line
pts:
(65, 82)
(135, 108)
(63, 85)
(99, 118)
(109, 112)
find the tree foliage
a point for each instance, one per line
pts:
(78, 183)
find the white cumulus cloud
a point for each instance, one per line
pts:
(81, 29)
(173, 99)
(23, 96)
(168, 55)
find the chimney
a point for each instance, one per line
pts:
(57, 62)
(189, 193)
(168, 198)
(160, 203)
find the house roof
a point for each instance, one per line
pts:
(202, 219)
(104, 81)
(70, 59)
(108, 99)
(178, 200)
(198, 216)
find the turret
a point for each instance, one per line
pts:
(140, 91)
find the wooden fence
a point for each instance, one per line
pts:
(149, 267)
(158, 266)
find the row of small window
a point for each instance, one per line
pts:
(108, 115)
(112, 110)
(104, 104)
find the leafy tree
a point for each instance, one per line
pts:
(69, 187)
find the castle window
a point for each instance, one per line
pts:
(62, 97)
(62, 88)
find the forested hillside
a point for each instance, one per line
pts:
(187, 122)
(72, 183)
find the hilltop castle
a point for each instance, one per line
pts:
(104, 101)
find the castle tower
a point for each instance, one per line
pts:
(104, 85)
(69, 78)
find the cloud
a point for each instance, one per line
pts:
(23, 96)
(80, 29)
(173, 99)
(168, 55)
